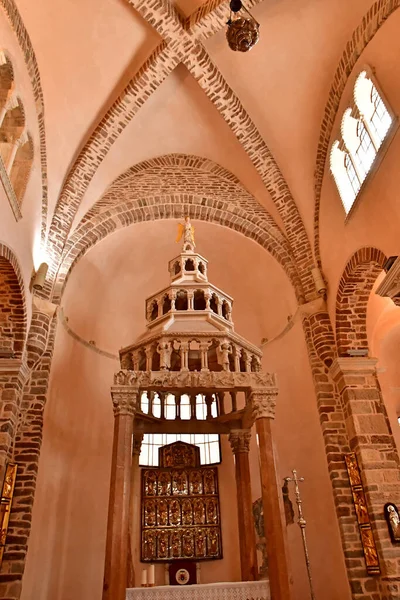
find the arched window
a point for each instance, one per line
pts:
(209, 444)
(185, 407)
(170, 407)
(364, 128)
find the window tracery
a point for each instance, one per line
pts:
(365, 125)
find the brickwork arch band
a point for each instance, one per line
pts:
(354, 290)
(171, 207)
(13, 314)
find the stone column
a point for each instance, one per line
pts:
(238, 353)
(149, 358)
(370, 437)
(134, 500)
(240, 444)
(190, 297)
(184, 349)
(204, 356)
(263, 404)
(115, 571)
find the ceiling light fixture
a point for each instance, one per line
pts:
(243, 32)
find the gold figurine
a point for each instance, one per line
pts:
(186, 230)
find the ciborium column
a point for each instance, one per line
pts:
(263, 406)
(240, 444)
(115, 571)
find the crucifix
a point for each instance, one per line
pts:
(302, 524)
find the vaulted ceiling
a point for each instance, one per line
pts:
(127, 81)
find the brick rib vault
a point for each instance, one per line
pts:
(170, 187)
(180, 45)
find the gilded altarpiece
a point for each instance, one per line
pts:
(180, 508)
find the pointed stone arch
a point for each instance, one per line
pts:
(354, 289)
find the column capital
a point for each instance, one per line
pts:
(264, 403)
(240, 440)
(352, 365)
(137, 442)
(124, 402)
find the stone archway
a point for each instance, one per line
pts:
(12, 306)
(354, 289)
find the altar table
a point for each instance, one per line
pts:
(243, 590)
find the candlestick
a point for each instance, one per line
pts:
(144, 577)
(151, 575)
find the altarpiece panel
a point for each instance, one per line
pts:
(180, 508)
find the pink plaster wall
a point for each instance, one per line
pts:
(300, 446)
(383, 324)
(104, 301)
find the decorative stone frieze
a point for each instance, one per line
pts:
(240, 440)
(264, 382)
(263, 403)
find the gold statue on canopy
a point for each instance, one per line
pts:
(186, 230)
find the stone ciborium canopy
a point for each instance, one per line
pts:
(190, 348)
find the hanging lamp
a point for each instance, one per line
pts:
(243, 31)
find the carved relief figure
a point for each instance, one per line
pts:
(196, 482)
(150, 483)
(199, 513)
(187, 512)
(162, 544)
(162, 512)
(212, 515)
(209, 482)
(360, 506)
(176, 544)
(353, 470)
(150, 513)
(179, 485)
(371, 556)
(187, 543)
(149, 545)
(200, 543)
(164, 349)
(213, 542)
(164, 484)
(119, 378)
(174, 512)
(9, 481)
(223, 351)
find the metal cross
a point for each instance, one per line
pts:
(302, 524)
